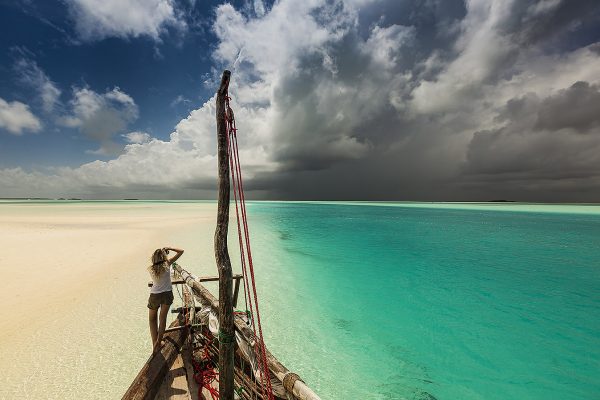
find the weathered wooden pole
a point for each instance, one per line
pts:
(226, 327)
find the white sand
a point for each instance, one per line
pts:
(74, 291)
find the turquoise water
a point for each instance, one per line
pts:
(423, 302)
(414, 301)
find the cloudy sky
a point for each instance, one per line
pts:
(335, 99)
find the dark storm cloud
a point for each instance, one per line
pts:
(577, 107)
(543, 141)
(331, 114)
(534, 22)
(434, 20)
(305, 113)
(391, 152)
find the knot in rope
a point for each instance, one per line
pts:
(225, 337)
(289, 380)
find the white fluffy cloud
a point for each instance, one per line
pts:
(98, 19)
(259, 8)
(183, 165)
(101, 116)
(137, 137)
(15, 117)
(32, 75)
(481, 48)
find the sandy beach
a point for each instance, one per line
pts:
(74, 290)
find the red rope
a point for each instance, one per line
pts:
(205, 374)
(247, 299)
(234, 163)
(238, 184)
(251, 268)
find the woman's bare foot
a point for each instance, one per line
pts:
(157, 346)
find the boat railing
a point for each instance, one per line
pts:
(291, 382)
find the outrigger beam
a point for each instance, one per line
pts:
(236, 278)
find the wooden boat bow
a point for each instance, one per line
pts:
(237, 342)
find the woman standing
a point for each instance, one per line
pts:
(161, 293)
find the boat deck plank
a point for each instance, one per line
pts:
(175, 384)
(187, 360)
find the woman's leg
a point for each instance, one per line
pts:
(162, 322)
(153, 320)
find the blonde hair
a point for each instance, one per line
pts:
(159, 262)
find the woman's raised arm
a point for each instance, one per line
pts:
(176, 256)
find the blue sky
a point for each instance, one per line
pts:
(165, 76)
(340, 99)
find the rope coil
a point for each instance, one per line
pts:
(205, 372)
(289, 380)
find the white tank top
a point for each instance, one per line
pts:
(162, 283)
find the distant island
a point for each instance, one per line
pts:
(25, 198)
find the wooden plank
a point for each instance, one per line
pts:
(236, 291)
(182, 309)
(186, 354)
(148, 381)
(175, 385)
(236, 277)
(176, 282)
(175, 328)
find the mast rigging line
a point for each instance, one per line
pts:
(245, 249)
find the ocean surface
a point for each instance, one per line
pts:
(433, 301)
(415, 301)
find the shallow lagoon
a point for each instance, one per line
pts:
(371, 300)
(452, 301)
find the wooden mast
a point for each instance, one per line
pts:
(226, 326)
